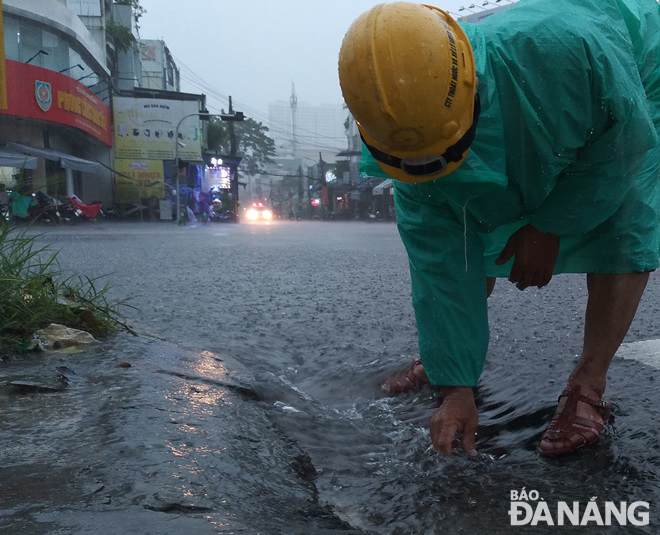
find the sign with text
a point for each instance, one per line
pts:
(37, 93)
(219, 177)
(142, 179)
(145, 129)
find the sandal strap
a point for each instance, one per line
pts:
(575, 423)
(574, 394)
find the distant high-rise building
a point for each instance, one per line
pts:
(318, 128)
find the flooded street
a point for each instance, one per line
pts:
(252, 403)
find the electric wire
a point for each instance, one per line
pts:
(202, 84)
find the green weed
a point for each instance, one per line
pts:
(34, 293)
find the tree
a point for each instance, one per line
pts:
(253, 144)
(340, 168)
(121, 36)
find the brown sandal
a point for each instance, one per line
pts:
(406, 381)
(569, 426)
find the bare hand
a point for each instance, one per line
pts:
(457, 414)
(535, 257)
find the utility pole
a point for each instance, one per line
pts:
(300, 188)
(232, 132)
(272, 202)
(234, 168)
(325, 198)
(294, 108)
(322, 168)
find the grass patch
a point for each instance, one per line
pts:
(35, 293)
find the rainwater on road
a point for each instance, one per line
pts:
(252, 404)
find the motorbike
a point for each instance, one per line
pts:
(5, 202)
(44, 208)
(92, 211)
(35, 207)
(224, 216)
(70, 213)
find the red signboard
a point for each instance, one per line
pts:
(38, 93)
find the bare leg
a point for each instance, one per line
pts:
(611, 307)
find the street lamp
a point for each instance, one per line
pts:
(238, 116)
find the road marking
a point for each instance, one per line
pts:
(646, 352)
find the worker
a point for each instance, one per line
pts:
(521, 147)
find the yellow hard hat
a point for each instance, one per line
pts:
(407, 74)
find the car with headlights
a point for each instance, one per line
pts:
(258, 211)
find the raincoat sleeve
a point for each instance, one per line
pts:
(448, 284)
(576, 117)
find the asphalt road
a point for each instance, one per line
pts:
(282, 332)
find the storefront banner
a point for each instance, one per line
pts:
(219, 177)
(37, 93)
(145, 129)
(3, 73)
(144, 179)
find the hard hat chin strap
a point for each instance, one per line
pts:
(434, 164)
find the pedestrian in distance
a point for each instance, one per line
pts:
(521, 147)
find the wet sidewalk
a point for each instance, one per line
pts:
(178, 442)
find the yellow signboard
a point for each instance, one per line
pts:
(139, 179)
(3, 72)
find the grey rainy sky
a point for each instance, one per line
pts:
(254, 50)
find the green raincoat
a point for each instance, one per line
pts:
(568, 140)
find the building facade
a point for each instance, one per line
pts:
(57, 108)
(159, 70)
(89, 109)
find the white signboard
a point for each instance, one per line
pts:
(145, 129)
(85, 8)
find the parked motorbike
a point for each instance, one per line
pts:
(44, 208)
(224, 216)
(91, 212)
(70, 213)
(35, 207)
(5, 202)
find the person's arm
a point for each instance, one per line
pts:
(448, 285)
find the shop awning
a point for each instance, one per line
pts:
(380, 188)
(9, 158)
(66, 161)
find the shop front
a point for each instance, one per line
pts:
(62, 124)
